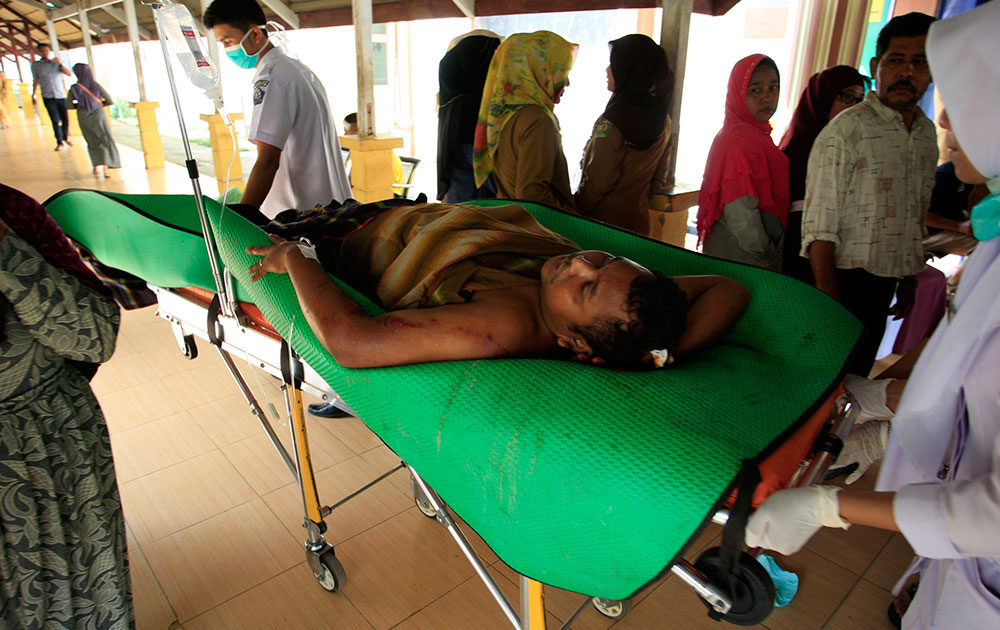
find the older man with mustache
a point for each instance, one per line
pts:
(868, 187)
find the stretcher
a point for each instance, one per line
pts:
(583, 478)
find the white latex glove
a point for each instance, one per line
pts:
(870, 397)
(788, 518)
(864, 446)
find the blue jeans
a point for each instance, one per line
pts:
(59, 116)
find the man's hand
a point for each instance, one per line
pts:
(906, 296)
(821, 260)
(274, 259)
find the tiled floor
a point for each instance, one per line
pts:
(214, 518)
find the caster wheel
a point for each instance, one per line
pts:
(423, 504)
(612, 608)
(333, 576)
(753, 600)
(190, 349)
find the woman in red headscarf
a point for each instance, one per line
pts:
(827, 93)
(743, 204)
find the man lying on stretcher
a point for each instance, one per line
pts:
(466, 282)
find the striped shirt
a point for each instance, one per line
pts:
(868, 189)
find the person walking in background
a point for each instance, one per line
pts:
(625, 160)
(89, 97)
(299, 162)
(4, 114)
(517, 136)
(461, 77)
(62, 531)
(870, 175)
(48, 73)
(743, 203)
(827, 93)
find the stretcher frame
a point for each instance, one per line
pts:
(236, 333)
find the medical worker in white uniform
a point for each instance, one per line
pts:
(299, 162)
(939, 483)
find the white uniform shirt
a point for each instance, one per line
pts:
(291, 112)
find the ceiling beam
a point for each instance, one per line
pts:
(72, 10)
(33, 25)
(33, 4)
(468, 7)
(284, 12)
(119, 15)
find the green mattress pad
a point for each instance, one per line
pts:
(584, 478)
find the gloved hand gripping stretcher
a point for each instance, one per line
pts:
(584, 478)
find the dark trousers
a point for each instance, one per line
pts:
(868, 298)
(59, 116)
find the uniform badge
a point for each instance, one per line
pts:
(602, 129)
(258, 91)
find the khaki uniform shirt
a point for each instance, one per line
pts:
(529, 163)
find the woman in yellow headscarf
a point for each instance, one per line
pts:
(517, 137)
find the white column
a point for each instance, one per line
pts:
(674, 31)
(53, 37)
(362, 17)
(85, 28)
(133, 36)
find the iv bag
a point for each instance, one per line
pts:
(176, 22)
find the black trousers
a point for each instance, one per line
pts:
(59, 117)
(868, 298)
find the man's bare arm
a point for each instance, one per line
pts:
(356, 339)
(715, 304)
(821, 260)
(262, 174)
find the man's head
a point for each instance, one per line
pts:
(900, 62)
(44, 50)
(351, 125)
(610, 310)
(237, 23)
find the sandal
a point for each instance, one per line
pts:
(902, 601)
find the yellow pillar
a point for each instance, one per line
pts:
(11, 97)
(222, 151)
(669, 213)
(26, 105)
(149, 133)
(371, 165)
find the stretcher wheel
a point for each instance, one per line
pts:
(420, 499)
(612, 608)
(753, 599)
(190, 350)
(333, 576)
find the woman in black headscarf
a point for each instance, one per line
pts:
(461, 76)
(625, 160)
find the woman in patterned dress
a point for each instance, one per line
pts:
(63, 560)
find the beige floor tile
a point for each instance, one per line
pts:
(400, 566)
(361, 513)
(382, 459)
(822, 586)
(156, 445)
(891, 563)
(201, 384)
(132, 406)
(227, 419)
(152, 610)
(234, 552)
(259, 463)
(290, 600)
(560, 604)
(470, 605)
(865, 607)
(352, 432)
(177, 497)
(122, 372)
(854, 549)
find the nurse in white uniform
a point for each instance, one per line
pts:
(939, 482)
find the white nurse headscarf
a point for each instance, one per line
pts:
(964, 56)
